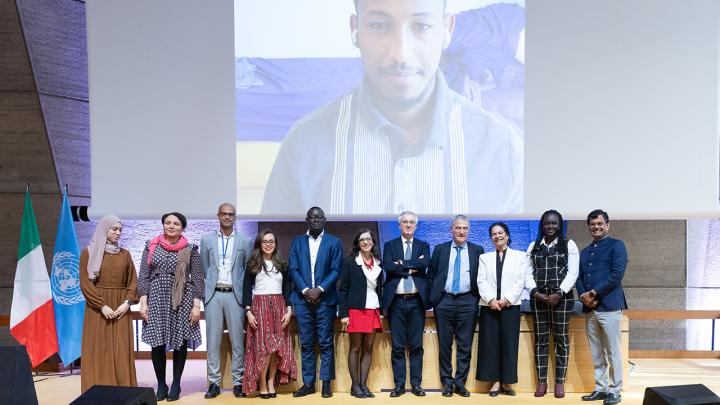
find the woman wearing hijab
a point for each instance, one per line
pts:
(108, 282)
(501, 280)
(171, 287)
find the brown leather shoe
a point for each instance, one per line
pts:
(541, 390)
(559, 390)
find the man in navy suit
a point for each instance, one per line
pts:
(405, 295)
(602, 267)
(314, 266)
(454, 296)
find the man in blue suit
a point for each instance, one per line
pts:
(314, 266)
(223, 254)
(405, 295)
(452, 277)
(602, 267)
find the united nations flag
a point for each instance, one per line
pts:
(68, 300)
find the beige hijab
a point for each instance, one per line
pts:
(98, 245)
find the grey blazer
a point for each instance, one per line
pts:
(209, 253)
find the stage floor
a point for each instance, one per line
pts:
(63, 388)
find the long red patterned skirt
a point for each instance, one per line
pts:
(268, 338)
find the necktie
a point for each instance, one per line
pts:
(456, 271)
(407, 281)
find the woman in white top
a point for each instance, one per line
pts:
(269, 356)
(553, 266)
(359, 299)
(501, 280)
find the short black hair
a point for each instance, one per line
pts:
(181, 217)
(505, 228)
(596, 213)
(444, 5)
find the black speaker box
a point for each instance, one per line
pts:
(16, 376)
(694, 394)
(111, 395)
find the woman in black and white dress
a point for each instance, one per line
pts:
(171, 286)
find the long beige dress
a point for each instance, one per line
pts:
(107, 345)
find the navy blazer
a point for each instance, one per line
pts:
(602, 267)
(353, 287)
(438, 270)
(394, 273)
(327, 267)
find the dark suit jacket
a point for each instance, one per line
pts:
(438, 270)
(352, 288)
(327, 267)
(394, 274)
(602, 267)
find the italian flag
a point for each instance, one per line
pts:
(32, 320)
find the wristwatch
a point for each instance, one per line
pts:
(128, 302)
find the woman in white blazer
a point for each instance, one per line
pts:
(500, 311)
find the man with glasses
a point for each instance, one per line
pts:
(314, 266)
(223, 254)
(405, 298)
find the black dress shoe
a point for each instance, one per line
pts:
(494, 393)
(357, 392)
(594, 396)
(238, 392)
(418, 391)
(612, 399)
(507, 391)
(212, 391)
(161, 392)
(397, 391)
(326, 389)
(306, 389)
(462, 391)
(174, 393)
(367, 392)
(447, 391)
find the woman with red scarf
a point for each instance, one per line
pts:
(359, 299)
(171, 287)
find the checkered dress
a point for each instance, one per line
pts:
(165, 326)
(549, 269)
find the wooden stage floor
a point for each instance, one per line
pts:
(63, 388)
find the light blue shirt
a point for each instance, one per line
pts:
(464, 269)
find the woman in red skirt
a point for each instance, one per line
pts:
(360, 290)
(269, 357)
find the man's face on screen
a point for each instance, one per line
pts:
(401, 42)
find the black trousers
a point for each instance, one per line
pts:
(499, 337)
(407, 326)
(555, 320)
(455, 319)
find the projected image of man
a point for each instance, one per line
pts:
(403, 131)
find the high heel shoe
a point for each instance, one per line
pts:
(174, 393)
(162, 392)
(507, 391)
(367, 392)
(272, 394)
(265, 395)
(494, 393)
(357, 392)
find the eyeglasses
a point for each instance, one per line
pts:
(363, 240)
(226, 214)
(268, 242)
(407, 222)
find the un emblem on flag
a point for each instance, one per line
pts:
(64, 279)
